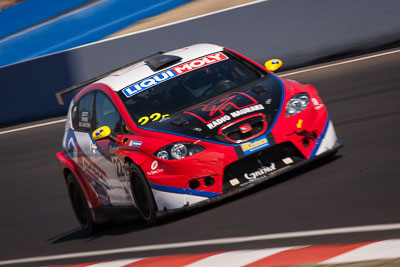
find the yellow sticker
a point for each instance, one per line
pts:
(154, 117)
(299, 123)
(273, 64)
(143, 120)
(252, 145)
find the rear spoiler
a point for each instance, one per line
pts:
(79, 85)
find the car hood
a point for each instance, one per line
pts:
(234, 117)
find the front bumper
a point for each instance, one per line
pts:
(260, 162)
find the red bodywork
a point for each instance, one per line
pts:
(178, 173)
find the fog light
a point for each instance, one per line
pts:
(193, 184)
(208, 181)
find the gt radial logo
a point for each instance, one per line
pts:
(263, 171)
(216, 109)
(171, 73)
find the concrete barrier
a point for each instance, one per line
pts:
(299, 32)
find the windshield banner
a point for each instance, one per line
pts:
(171, 73)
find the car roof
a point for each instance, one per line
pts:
(123, 78)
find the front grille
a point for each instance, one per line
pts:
(260, 165)
(233, 133)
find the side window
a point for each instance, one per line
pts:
(85, 112)
(107, 114)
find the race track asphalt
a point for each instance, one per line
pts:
(360, 186)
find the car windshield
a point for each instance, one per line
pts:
(187, 89)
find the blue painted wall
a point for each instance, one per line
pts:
(31, 12)
(85, 25)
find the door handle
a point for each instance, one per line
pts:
(93, 146)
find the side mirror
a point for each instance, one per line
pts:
(273, 64)
(102, 133)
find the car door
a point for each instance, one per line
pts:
(103, 154)
(83, 118)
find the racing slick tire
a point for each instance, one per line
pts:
(142, 194)
(79, 204)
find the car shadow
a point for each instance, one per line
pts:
(125, 226)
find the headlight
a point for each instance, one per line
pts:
(178, 151)
(297, 104)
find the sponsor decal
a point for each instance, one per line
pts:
(234, 114)
(84, 124)
(234, 181)
(173, 72)
(99, 132)
(153, 117)
(261, 172)
(214, 114)
(154, 169)
(244, 111)
(98, 173)
(84, 120)
(218, 121)
(149, 82)
(208, 113)
(135, 143)
(154, 165)
(119, 167)
(287, 160)
(299, 123)
(165, 118)
(254, 145)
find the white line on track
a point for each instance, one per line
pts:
(341, 63)
(218, 241)
(280, 75)
(32, 126)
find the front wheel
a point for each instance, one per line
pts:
(142, 194)
(79, 204)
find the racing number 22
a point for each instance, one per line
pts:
(154, 117)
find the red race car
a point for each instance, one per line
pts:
(184, 128)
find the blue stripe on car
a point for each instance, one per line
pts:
(321, 137)
(281, 105)
(187, 191)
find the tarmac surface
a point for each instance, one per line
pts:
(360, 186)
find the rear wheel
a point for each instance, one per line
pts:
(79, 204)
(142, 194)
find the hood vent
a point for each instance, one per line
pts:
(161, 61)
(245, 129)
(180, 122)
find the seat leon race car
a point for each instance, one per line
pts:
(183, 128)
